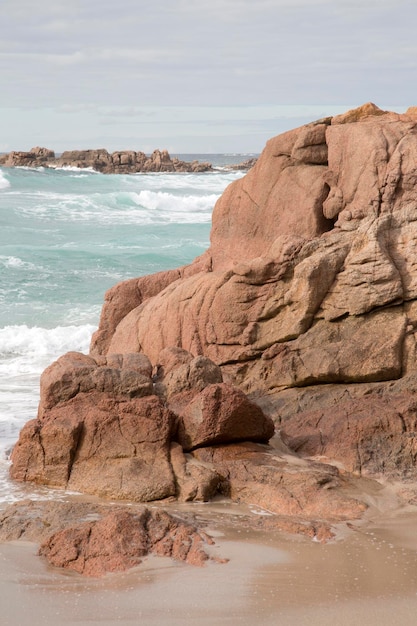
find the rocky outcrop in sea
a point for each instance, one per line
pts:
(277, 369)
(121, 162)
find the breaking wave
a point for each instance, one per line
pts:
(4, 183)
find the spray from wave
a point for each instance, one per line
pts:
(4, 183)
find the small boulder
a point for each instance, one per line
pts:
(222, 414)
(120, 540)
(284, 485)
(179, 371)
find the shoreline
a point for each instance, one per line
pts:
(367, 577)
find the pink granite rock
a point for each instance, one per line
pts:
(319, 233)
(222, 414)
(121, 539)
(101, 428)
(310, 282)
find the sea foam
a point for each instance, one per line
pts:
(124, 207)
(4, 183)
(12, 261)
(24, 340)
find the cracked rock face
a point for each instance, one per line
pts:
(306, 299)
(320, 232)
(311, 275)
(102, 428)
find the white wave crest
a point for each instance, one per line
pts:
(24, 353)
(35, 341)
(4, 182)
(30, 168)
(72, 168)
(163, 201)
(12, 261)
(214, 182)
(125, 207)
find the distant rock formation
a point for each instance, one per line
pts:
(306, 301)
(121, 162)
(244, 165)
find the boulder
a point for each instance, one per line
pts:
(121, 539)
(259, 475)
(116, 375)
(92, 443)
(178, 372)
(221, 414)
(100, 429)
(103, 429)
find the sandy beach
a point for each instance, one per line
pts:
(369, 575)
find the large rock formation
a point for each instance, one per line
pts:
(106, 427)
(121, 162)
(102, 429)
(305, 300)
(311, 275)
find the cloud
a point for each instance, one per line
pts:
(124, 62)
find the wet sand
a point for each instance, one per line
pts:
(368, 577)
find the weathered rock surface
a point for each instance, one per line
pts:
(106, 427)
(311, 275)
(120, 540)
(122, 162)
(281, 484)
(178, 372)
(99, 429)
(289, 263)
(371, 429)
(130, 294)
(306, 300)
(102, 428)
(220, 414)
(94, 539)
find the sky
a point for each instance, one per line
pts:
(195, 76)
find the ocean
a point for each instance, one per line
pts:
(68, 235)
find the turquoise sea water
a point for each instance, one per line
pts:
(68, 235)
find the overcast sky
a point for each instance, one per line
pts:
(195, 75)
